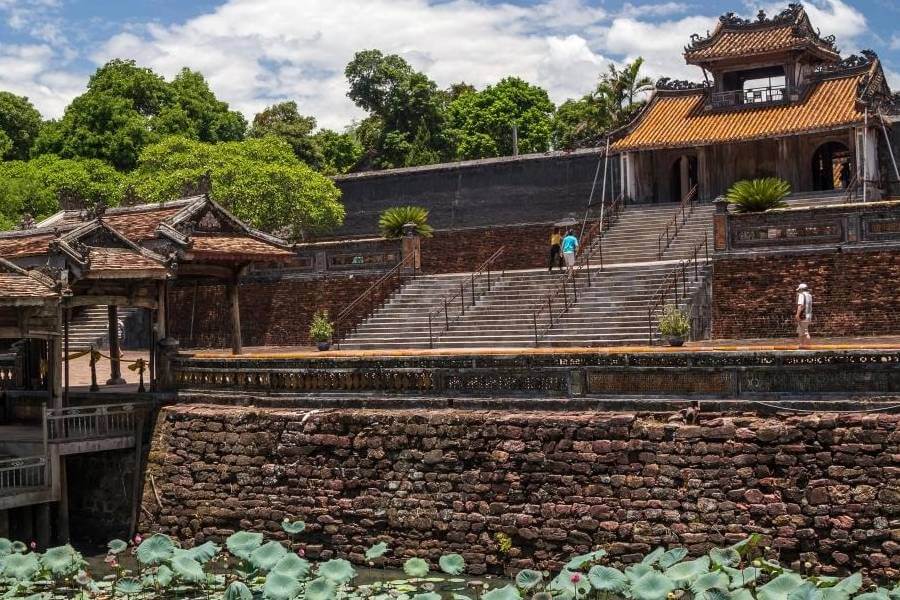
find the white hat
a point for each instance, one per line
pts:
(802, 287)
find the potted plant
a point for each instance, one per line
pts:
(674, 325)
(758, 195)
(321, 330)
(392, 221)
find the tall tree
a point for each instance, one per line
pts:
(340, 151)
(283, 120)
(20, 123)
(127, 107)
(480, 124)
(407, 105)
(259, 179)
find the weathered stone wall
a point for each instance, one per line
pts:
(854, 294)
(821, 488)
(100, 495)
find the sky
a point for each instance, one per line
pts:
(258, 52)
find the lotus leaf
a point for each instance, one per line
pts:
(156, 549)
(507, 592)
(873, 596)
(237, 590)
(293, 528)
(337, 570)
(635, 572)
(741, 577)
(117, 546)
(416, 567)
(652, 586)
(427, 596)
(452, 564)
(528, 578)
(5, 547)
(19, 548)
(456, 596)
(780, 587)
(653, 557)
(746, 544)
(577, 562)
(807, 591)
(376, 551)
(708, 581)
(61, 560)
(715, 593)
(129, 586)
(204, 552)
(242, 543)
(21, 566)
(321, 589)
(39, 596)
(741, 594)
(267, 556)
(570, 584)
(725, 557)
(188, 569)
(292, 566)
(687, 571)
(607, 579)
(280, 586)
(161, 578)
(851, 584)
(671, 557)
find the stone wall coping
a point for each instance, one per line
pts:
(857, 247)
(851, 207)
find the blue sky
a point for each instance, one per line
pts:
(255, 52)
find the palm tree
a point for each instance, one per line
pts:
(619, 88)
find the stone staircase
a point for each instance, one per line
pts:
(91, 327)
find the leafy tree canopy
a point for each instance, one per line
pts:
(285, 121)
(259, 179)
(406, 105)
(340, 151)
(127, 107)
(480, 123)
(41, 186)
(20, 123)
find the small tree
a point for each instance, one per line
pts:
(674, 323)
(758, 195)
(392, 221)
(321, 328)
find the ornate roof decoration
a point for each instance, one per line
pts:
(734, 36)
(665, 83)
(855, 61)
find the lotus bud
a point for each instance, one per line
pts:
(576, 577)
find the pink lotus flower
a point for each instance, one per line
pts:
(576, 577)
(138, 539)
(301, 552)
(33, 545)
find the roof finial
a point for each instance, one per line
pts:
(761, 15)
(27, 222)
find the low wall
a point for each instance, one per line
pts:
(463, 250)
(855, 293)
(820, 488)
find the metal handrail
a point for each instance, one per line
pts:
(344, 315)
(685, 208)
(93, 421)
(483, 270)
(852, 189)
(587, 248)
(669, 286)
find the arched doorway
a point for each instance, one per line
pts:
(682, 177)
(832, 167)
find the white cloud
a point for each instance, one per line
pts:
(895, 42)
(29, 70)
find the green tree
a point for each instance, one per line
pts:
(43, 185)
(20, 123)
(620, 89)
(480, 123)
(285, 121)
(408, 107)
(579, 123)
(127, 107)
(259, 179)
(340, 151)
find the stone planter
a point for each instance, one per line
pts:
(322, 346)
(675, 340)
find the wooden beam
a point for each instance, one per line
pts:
(215, 271)
(89, 300)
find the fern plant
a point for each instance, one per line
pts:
(393, 219)
(758, 195)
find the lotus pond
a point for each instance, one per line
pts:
(247, 567)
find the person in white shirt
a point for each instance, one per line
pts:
(803, 314)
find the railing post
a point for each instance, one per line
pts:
(462, 298)
(473, 289)
(534, 322)
(446, 315)
(430, 335)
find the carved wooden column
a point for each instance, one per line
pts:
(704, 175)
(115, 365)
(235, 304)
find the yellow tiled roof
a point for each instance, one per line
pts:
(678, 120)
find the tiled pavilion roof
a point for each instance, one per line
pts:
(21, 287)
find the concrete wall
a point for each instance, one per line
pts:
(820, 488)
(490, 192)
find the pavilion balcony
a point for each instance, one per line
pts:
(749, 97)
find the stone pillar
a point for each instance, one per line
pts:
(235, 304)
(720, 224)
(62, 507)
(683, 171)
(786, 165)
(704, 175)
(411, 245)
(115, 364)
(54, 370)
(165, 378)
(161, 301)
(42, 525)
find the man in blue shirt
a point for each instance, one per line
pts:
(569, 247)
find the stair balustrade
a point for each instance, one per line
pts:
(677, 276)
(366, 303)
(468, 294)
(684, 210)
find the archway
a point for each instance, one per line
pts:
(682, 177)
(832, 167)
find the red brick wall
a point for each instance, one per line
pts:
(275, 313)
(854, 294)
(463, 250)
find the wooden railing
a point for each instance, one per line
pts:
(369, 300)
(684, 210)
(678, 276)
(23, 473)
(91, 422)
(467, 294)
(565, 295)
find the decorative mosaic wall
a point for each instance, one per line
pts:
(822, 489)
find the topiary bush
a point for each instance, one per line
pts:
(392, 221)
(758, 195)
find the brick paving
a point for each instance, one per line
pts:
(80, 372)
